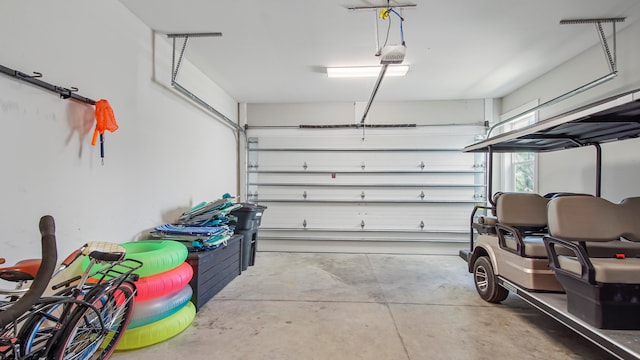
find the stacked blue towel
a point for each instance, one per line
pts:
(205, 225)
(191, 230)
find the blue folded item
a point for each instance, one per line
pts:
(212, 243)
(202, 220)
(224, 206)
(209, 214)
(192, 230)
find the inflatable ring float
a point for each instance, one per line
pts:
(158, 331)
(157, 256)
(146, 312)
(168, 282)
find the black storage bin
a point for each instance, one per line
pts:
(259, 212)
(249, 219)
(214, 269)
(249, 238)
(247, 214)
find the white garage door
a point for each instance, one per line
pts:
(391, 190)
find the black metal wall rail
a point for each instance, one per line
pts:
(64, 93)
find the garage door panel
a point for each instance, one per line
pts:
(343, 161)
(399, 185)
(418, 194)
(382, 180)
(434, 217)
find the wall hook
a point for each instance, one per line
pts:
(61, 91)
(421, 225)
(362, 224)
(422, 165)
(304, 223)
(362, 195)
(304, 166)
(422, 195)
(363, 165)
(304, 195)
(25, 76)
(73, 89)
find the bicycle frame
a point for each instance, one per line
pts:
(77, 321)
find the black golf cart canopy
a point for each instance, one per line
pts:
(611, 119)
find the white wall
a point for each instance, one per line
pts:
(167, 155)
(575, 170)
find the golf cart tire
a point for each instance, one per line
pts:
(486, 282)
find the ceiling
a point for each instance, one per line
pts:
(277, 51)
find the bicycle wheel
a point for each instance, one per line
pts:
(44, 321)
(81, 334)
(117, 312)
(94, 336)
(40, 327)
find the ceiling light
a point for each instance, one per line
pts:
(366, 71)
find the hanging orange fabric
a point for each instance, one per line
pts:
(105, 120)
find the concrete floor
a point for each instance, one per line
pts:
(355, 306)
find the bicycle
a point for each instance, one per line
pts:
(87, 318)
(13, 310)
(105, 301)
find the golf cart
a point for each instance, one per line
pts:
(575, 257)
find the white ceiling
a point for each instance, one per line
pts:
(276, 51)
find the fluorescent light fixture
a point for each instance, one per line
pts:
(366, 71)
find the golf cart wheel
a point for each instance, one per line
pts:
(486, 281)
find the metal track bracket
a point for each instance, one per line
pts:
(175, 68)
(609, 53)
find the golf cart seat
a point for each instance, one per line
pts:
(602, 291)
(522, 223)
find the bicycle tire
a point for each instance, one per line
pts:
(85, 337)
(123, 298)
(81, 335)
(39, 329)
(37, 333)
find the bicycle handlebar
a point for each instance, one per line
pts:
(43, 276)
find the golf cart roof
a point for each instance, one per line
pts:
(611, 119)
